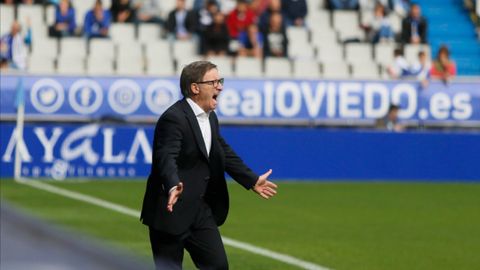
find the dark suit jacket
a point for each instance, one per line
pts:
(180, 155)
(407, 30)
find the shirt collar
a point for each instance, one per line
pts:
(199, 112)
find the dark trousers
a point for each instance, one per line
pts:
(202, 241)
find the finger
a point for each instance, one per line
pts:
(271, 190)
(271, 185)
(267, 174)
(264, 195)
(180, 187)
(267, 193)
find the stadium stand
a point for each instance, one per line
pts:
(332, 38)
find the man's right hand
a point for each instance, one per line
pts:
(173, 196)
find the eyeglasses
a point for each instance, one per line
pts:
(214, 83)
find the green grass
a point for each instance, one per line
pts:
(339, 225)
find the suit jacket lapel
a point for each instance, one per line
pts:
(192, 119)
(214, 131)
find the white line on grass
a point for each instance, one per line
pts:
(134, 213)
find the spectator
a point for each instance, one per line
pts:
(97, 22)
(251, 42)
(294, 12)
(414, 27)
(275, 6)
(421, 69)
(276, 41)
(216, 38)
(239, 19)
(13, 46)
(227, 6)
(379, 28)
(122, 11)
(181, 23)
(259, 6)
(343, 4)
(443, 68)
(205, 14)
(400, 68)
(148, 11)
(65, 24)
(390, 121)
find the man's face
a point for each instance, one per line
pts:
(205, 94)
(415, 11)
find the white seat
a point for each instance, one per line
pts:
(102, 48)
(184, 49)
(335, 70)
(159, 68)
(248, 67)
(7, 17)
(130, 65)
(306, 69)
(327, 53)
(395, 22)
(302, 50)
(81, 9)
(73, 47)
(224, 65)
(297, 34)
(41, 64)
(34, 13)
(411, 51)
(365, 71)
(131, 50)
(384, 53)
(45, 48)
(50, 14)
(277, 67)
(158, 51)
(358, 52)
(148, 32)
(318, 19)
(122, 32)
(346, 23)
(320, 37)
(71, 66)
(99, 66)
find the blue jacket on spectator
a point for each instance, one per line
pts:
(68, 18)
(294, 9)
(92, 27)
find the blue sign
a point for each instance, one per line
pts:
(246, 100)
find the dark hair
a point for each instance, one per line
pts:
(192, 73)
(443, 49)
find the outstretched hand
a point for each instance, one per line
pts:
(173, 196)
(265, 188)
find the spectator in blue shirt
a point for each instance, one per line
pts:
(65, 24)
(294, 12)
(97, 22)
(14, 47)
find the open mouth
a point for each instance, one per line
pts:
(215, 96)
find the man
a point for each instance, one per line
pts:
(414, 27)
(14, 46)
(97, 21)
(186, 196)
(390, 121)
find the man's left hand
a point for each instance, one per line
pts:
(265, 188)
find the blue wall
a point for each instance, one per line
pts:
(302, 153)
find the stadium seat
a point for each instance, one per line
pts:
(81, 9)
(148, 32)
(73, 47)
(323, 36)
(158, 51)
(7, 16)
(297, 34)
(45, 48)
(395, 22)
(130, 50)
(246, 67)
(130, 65)
(384, 53)
(297, 50)
(319, 19)
(277, 67)
(70, 65)
(102, 48)
(50, 15)
(411, 52)
(34, 13)
(122, 32)
(358, 52)
(184, 49)
(99, 66)
(224, 64)
(335, 70)
(328, 52)
(367, 70)
(41, 64)
(306, 69)
(346, 23)
(159, 68)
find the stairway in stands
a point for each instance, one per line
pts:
(449, 23)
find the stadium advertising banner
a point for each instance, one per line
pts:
(244, 101)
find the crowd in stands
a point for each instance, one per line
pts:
(250, 28)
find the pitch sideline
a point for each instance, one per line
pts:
(134, 213)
